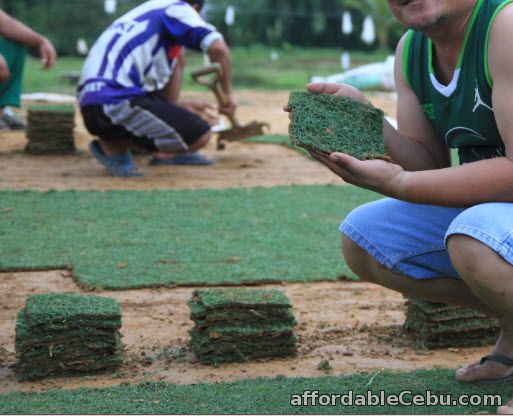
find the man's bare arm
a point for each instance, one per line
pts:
(16, 30)
(415, 145)
(219, 52)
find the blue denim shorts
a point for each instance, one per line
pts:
(411, 239)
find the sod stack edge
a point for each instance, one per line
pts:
(435, 325)
(238, 325)
(135, 239)
(50, 129)
(61, 334)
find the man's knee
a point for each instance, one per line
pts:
(201, 142)
(358, 260)
(466, 255)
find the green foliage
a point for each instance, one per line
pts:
(64, 22)
(336, 124)
(315, 23)
(123, 239)
(260, 396)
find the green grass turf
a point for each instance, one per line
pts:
(125, 239)
(261, 396)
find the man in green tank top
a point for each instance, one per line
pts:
(445, 233)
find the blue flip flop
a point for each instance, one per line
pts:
(121, 166)
(185, 159)
(498, 358)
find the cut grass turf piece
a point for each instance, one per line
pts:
(230, 333)
(259, 396)
(110, 244)
(336, 124)
(68, 310)
(201, 314)
(240, 298)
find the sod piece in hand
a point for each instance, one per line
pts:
(329, 124)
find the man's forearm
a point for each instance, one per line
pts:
(409, 154)
(224, 59)
(479, 182)
(15, 30)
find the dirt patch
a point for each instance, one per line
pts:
(354, 326)
(240, 165)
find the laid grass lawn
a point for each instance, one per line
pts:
(131, 239)
(261, 396)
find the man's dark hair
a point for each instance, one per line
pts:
(196, 3)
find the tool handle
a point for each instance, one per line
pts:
(200, 76)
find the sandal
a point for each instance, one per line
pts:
(121, 166)
(498, 358)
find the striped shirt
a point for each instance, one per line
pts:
(137, 53)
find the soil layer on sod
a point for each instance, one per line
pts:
(260, 396)
(435, 325)
(125, 239)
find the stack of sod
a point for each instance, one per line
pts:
(336, 124)
(65, 333)
(237, 325)
(50, 129)
(435, 325)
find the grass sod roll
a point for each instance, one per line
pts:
(50, 129)
(56, 335)
(262, 325)
(331, 124)
(441, 326)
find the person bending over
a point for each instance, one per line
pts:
(130, 85)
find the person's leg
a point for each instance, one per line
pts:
(14, 54)
(480, 243)
(164, 128)
(112, 148)
(400, 246)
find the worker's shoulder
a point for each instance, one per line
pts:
(501, 27)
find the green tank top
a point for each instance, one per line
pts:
(461, 112)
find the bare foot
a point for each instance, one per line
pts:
(506, 409)
(489, 369)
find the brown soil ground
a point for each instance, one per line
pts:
(240, 165)
(356, 326)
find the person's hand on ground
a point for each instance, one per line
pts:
(230, 107)
(4, 70)
(377, 175)
(47, 53)
(205, 110)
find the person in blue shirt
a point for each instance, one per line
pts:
(130, 86)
